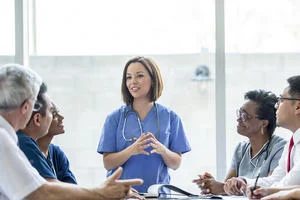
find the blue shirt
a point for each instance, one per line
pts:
(46, 169)
(61, 164)
(163, 123)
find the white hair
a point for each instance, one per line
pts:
(17, 84)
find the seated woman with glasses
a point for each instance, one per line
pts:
(59, 167)
(259, 155)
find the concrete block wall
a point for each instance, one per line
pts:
(87, 88)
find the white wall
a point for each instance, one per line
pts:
(88, 88)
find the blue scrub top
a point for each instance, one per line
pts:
(152, 168)
(55, 166)
(35, 156)
(61, 164)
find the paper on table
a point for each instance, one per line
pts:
(154, 189)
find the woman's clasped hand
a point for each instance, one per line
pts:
(144, 142)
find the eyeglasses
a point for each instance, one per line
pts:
(37, 106)
(54, 110)
(280, 99)
(243, 115)
(55, 113)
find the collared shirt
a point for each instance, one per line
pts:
(17, 177)
(165, 125)
(263, 162)
(280, 177)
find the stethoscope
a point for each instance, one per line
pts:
(265, 158)
(140, 125)
(49, 158)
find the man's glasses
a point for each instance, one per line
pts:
(280, 99)
(244, 116)
(37, 106)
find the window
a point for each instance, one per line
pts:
(262, 26)
(7, 24)
(116, 27)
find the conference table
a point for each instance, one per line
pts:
(167, 191)
(222, 197)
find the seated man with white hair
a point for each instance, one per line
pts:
(19, 180)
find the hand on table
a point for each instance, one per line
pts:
(260, 192)
(235, 186)
(113, 188)
(208, 184)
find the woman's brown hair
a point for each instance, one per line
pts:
(156, 79)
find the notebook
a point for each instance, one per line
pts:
(167, 191)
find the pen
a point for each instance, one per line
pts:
(255, 184)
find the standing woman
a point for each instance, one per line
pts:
(143, 137)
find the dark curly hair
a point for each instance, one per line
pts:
(266, 110)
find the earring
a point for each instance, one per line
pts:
(262, 130)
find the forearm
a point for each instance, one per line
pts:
(295, 193)
(289, 187)
(114, 160)
(171, 159)
(57, 191)
(231, 173)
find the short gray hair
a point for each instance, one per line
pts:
(17, 84)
